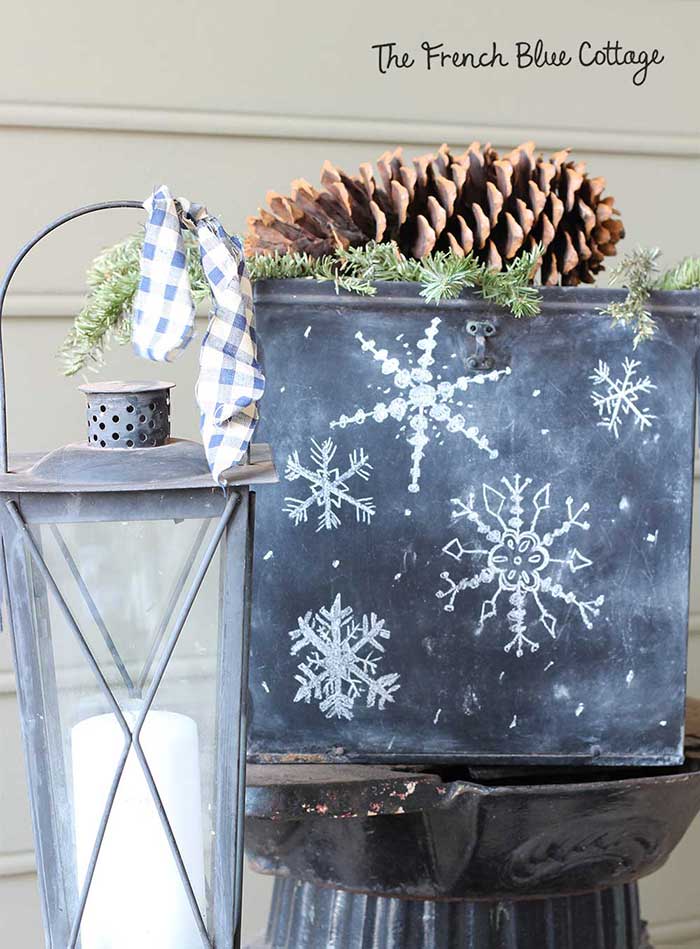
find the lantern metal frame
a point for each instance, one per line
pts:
(79, 483)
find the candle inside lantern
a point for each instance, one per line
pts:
(137, 899)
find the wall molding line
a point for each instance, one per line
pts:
(682, 932)
(263, 125)
(53, 305)
(18, 864)
(76, 678)
(7, 682)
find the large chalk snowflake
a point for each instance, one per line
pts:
(520, 560)
(621, 396)
(342, 655)
(425, 402)
(328, 486)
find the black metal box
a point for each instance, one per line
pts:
(479, 546)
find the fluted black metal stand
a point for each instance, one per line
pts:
(304, 916)
(370, 858)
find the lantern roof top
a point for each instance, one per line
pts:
(178, 464)
(123, 388)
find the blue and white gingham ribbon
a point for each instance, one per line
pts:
(230, 378)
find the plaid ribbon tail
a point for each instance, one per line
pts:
(231, 381)
(163, 317)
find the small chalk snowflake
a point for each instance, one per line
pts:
(520, 560)
(342, 654)
(621, 396)
(427, 403)
(328, 486)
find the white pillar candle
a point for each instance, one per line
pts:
(137, 899)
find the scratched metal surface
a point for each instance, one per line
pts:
(574, 547)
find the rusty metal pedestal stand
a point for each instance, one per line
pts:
(375, 858)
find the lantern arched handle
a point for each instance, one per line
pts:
(21, 254)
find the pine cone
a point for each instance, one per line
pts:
(495, 207)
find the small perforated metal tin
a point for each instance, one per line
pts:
(128, 414)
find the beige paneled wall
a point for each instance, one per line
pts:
(223, 103)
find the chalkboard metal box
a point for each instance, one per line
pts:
(479, 549)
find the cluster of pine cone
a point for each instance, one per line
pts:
(494, 207)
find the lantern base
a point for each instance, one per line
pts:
(305, 916)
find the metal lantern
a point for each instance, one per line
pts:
(127, 578)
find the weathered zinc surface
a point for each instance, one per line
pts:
(373, 858)
(457, 839)
(479, 546)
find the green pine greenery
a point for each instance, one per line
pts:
(637, 272)
(684, 276)
(114, 276)
(112, 281)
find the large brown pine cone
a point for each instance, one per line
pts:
(495, 207)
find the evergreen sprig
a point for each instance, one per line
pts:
(637, 272)
(114, 276)
(684, 276)
(112, 281)
(513, 287)
(444, 276)
(375, 261)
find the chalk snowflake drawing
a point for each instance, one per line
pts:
(328, 488)
(425, 402)
(621, 396)
(342, 654)
(520, 560)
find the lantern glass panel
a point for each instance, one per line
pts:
(124, 583)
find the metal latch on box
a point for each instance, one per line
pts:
(481, 330)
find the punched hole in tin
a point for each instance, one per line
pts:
(129, 408)
(142, 418)
(142, 436)
(103, 444)
(115, 436)
(115, 418)
(129, 427)
(102, 425)
(129, 444)
(151, 406)
(103, 408)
